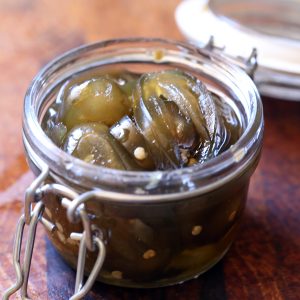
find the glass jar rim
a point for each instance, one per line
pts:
(37, 140)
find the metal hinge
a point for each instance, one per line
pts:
(34, 207)
(248, 64)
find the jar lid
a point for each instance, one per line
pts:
(238, 26)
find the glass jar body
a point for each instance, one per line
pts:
(193, 219)
(156, 244)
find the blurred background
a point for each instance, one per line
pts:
(32, 32)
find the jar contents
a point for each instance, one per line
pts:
(153, 121)
(154, 142)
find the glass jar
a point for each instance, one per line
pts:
(160, 227)
(237, 26)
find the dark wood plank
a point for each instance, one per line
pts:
(264, 261)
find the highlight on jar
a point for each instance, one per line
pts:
(143, 151)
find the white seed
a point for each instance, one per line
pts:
(149, 254)
(196, 230)
(140, 153)
(117, 274)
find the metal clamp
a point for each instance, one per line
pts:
(31, 192)
(34, 208)
(75, 209)
(22, 271)
(80, 289)
(248, 64)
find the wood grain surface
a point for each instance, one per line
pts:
(264, 263)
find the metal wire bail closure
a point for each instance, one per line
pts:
(89, 239)
(80, 289)
(248, 64)
(31, 192)
(22, 271)
(75, 205)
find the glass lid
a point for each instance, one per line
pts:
(238, 26)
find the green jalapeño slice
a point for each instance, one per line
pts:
(152, 121)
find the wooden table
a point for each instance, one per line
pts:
(264, 263)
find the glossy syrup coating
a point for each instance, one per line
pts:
(94, 100)
(133, 141)
(156, 244)
(153, 121)
(93, 143)
(176, 115)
